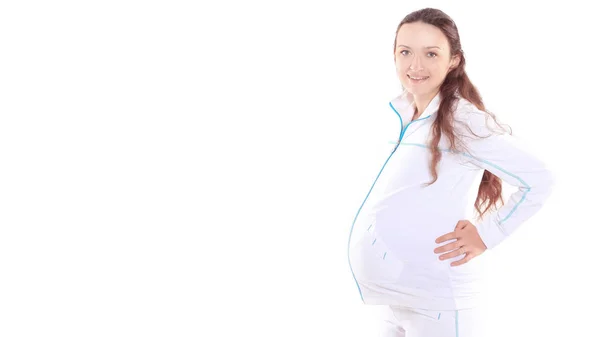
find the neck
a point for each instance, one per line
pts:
(421, 103)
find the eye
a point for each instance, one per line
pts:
(431, 54)
(404, 52)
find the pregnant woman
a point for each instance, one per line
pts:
(436, 204)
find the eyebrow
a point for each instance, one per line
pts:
(401, 45)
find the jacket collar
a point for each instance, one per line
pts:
(404, 106)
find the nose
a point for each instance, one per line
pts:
(415, 64)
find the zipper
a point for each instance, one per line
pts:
(402, 131)
(407, 125)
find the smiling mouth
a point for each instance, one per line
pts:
(421, 78)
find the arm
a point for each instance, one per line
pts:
(506, 157)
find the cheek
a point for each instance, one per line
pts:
(438, 72)
(402, 62)
(402, 68)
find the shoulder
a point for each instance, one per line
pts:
(465, 110)
(470, 119)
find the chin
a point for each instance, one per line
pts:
(417, 91)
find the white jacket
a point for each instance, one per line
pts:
(391, 243)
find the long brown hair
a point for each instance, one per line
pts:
(456, 81)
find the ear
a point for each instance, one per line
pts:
(454, 62)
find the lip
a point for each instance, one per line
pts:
(413, 81)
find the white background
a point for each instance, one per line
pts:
(172, 168)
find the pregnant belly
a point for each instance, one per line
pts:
(401, 252)
(375, 262)
(414, 240)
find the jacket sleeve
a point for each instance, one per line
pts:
(506, 157)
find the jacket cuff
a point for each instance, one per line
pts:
(490, 231)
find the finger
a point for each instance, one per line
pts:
(448, 247)
(446, 237)
(454, 253)
(462, 261)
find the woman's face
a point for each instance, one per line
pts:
(422, 58)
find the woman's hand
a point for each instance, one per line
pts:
(467, 242)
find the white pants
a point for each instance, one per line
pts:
(409, 322)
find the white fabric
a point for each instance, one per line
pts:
(410, 322)
(390, 249)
